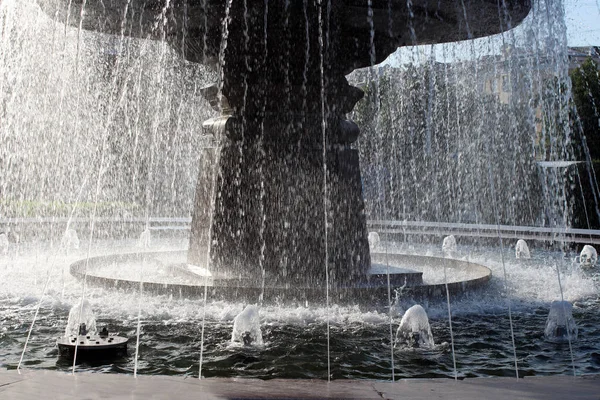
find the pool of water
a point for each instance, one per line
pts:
(295, 335)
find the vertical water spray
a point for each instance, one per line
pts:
(506, 284)
(95, 207)
(139, 321)
(569, 339)
(450, 323)
(37, 310)
(560, 216)
(449, 248)
(329, 166)
(145, 241)
(495, 211)
(522, 250)
(223, 47)
(325, 193)
(585, 98)
(262, 161)
(69, 240)
(145, 238)
(244, 122)
(374, 78)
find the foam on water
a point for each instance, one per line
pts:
(532, 285)
(170, 319)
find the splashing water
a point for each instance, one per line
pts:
(374, 240)
(246, 327)
(588, 257)
(522, 250)
(81, 314)
(414, 330)
(145, 240)
(60, 87)
(70, 240)
(449, 247)
(561, 326)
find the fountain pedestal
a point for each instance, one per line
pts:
(287, 195)
(272, 201)
(288, 206)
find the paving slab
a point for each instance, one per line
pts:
(547, 387)
(44, 384)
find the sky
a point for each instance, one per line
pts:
(583, 22)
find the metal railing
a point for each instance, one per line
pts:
(565, 234)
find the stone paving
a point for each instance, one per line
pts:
(39, 384)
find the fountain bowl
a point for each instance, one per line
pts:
(167, 273)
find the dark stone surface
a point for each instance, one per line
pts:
(269, 210)
(32, 384)
(270, 214)
(371, 291)
(194, 27)
(92, 347)
(380, 274)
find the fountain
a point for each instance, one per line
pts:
(288, 208)
(83, 342)
(414, 330)
(282, 206)
(145, 240)
(522, 250)
(449, 247)
(81, 313)
(588, 257)
(70, 240)
(374, 240)
(246, 327)
(560, 326)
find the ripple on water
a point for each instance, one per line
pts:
(295, 337)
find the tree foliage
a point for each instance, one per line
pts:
(586, 96)
(585, 121)
(432, 138)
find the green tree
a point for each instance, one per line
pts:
(586, 96)
(585, 121)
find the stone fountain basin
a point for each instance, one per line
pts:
(167, 273)
(391, 24)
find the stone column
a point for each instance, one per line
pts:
(204, 195)
(272, 200)
(277, 214)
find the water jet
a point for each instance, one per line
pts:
(279, 213)
(560, 326)
(522, 250)
(414, 330)
(288, 206)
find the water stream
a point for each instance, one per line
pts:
(295, 336)
(107, 128)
